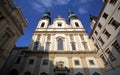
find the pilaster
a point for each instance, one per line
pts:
(67, 42)
(53, 42)
(70, 66)
(78, 45)
(51, 66)
(43, 40)
(85, 67)
(23, 64)
(37, 66)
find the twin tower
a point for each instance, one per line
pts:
(60, 49)
(73, 19)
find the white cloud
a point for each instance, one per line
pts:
(85, 1)
(82, 10)
(41, 5)
(38, 7)
(84, 6)
(46, 3)
(61, 2)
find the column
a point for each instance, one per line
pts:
(37, 66)
(23, 64)
(43, 41)
(85, 67)
(53, 42)
(78, 44)
(70, 66)
(67, 42)
(51, 66)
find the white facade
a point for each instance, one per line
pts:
(60, 49)
(104, 34)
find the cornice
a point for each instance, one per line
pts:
(60, 52)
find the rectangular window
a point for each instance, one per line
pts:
(99, 25)
(106, 33)
(116, 46)
(113, 1)
(104, 60)
(76, 24)
(18, 60)
(105, 15)
(77, 62)
(73, 46)
(96, 46)
(36, 44)
(96, 32)
(59, 24)
(60, 44)
(114, 23)
(45, 62)
(31, 61)
(101, 41)
(112, 58)
(47, 47)
(91, 62)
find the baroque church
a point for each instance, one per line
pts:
(59, 49)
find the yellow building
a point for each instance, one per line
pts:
(12, 24)
(59, 49)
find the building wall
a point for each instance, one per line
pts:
(113, 12)
(11, 28)
(81, 59)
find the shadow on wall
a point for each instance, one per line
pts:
(33, 62)
(113, 53)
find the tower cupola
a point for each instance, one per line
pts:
(72, 15)
(47, 16)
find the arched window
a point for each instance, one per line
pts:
(42, 25)
(27, 73)
(60, 44)
(76, 24)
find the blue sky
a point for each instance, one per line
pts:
(33, 10)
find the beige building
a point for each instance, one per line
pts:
(59, 49)
(12, 24)
(106, 35)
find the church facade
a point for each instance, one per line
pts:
(59, 49)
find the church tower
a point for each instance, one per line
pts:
(60, 49)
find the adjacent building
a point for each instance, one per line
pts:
(12, 24)
(106, 35)
(58, 49)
